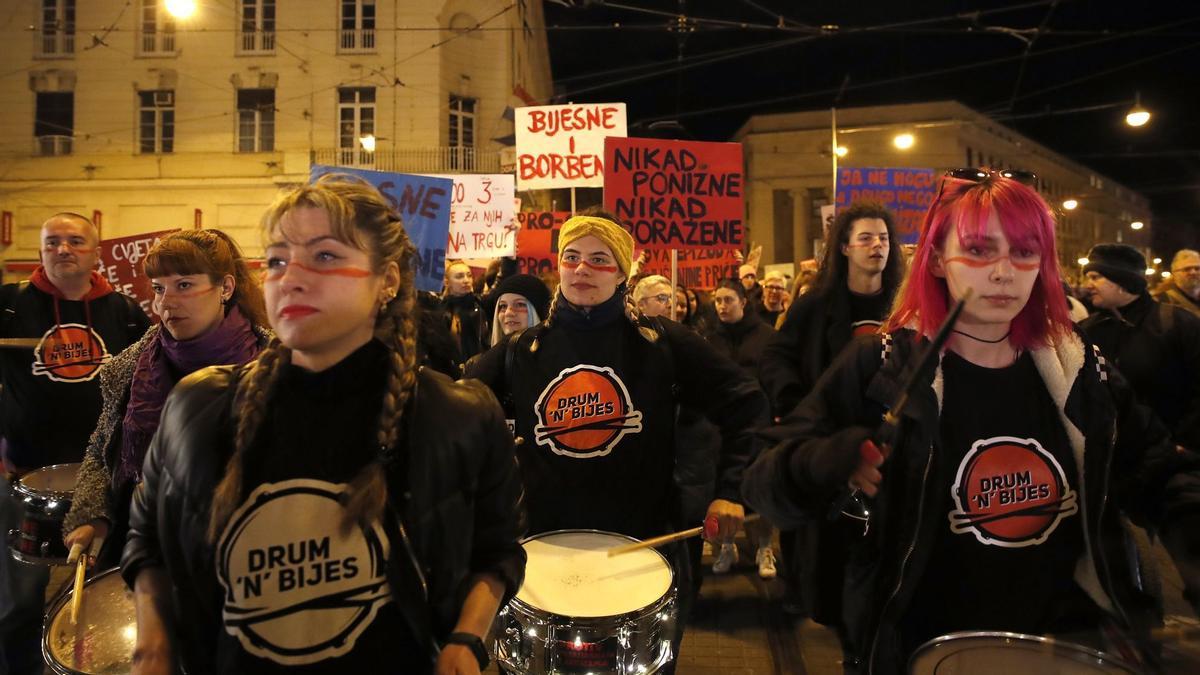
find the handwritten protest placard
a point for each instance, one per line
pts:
(537, 240)
(676, 194)
(907, 193)
(424, 204)
(563, 145)
(481, 209)
(121, 263)
(700, 269)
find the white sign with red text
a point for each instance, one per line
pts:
(562, 146)
(482, 216)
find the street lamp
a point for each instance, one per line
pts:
(904, 141)
(1082, 261)
(367, 141)
(1070, 204)
(181, 9)
(1137, 115)
(1158, 261)
(1136, 225)
(841, 151)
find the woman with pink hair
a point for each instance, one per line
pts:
(996, 506)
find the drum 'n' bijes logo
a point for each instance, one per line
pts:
(585, 412)
(70, 352)
(298, 587)
(1010, 492)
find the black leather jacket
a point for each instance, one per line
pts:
(1129, 468)
(460, 506)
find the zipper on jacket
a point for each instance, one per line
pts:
(912, 546)
(412, 557)
(1099, 552)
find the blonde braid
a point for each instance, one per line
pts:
(250, 402)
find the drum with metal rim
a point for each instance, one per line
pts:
(101, 641)
(999, 653)
(45, 498)
(580, 611)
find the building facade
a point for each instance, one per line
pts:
(154, 122)
(789, 171)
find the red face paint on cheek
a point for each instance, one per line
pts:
(347, 272)
(599, 268)
(979, 264)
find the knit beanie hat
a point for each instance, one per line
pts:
(613, 235)
(1121, 264)
(525, 285)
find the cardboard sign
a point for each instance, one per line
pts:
(907, 193)
(685, 195)
(424, 204)
(481, 211)
(699, 270)
(563, 145)
(121, 263)
(537, 240)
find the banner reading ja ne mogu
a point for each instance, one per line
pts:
(424, 204)
(537, 240)
(481, 214)
(121, 263)
(700, 269)
(560, 146)
(676, 194)
(907, 193)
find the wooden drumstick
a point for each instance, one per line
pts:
(668, 538)
(80, 574)
(20, 343)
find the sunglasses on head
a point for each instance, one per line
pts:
(1027, 178)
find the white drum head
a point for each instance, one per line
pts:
(570, 574)
(997, 653)
(57, 478)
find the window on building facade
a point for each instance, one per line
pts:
(356, 119)
(256, 120)
(257, 31)
(462, 132)
(156, 121)
(54, 123)
(358, 26)
(157, 28)
(57, 36)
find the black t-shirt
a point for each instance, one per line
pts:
(867, 312)
(301, 593)
(1005, 483)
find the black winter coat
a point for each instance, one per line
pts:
(742, 342)
(460, 509)
(1127, 466)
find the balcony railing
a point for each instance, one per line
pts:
(55, 43)
(256, 41)
(158, 43)
(412, 160)
(52, 146)
(357, 40)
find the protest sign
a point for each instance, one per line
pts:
(907, 193)
(700, 269)
(537, 240)
(481, 210)
(424, 204)
(676, 194)
(563, 145)
(121, 263)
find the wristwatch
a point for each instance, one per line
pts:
(475, 643)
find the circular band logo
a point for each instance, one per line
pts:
(585, 412)
(70, 352)
(298, 588)
(1010, 492)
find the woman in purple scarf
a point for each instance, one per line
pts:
(212, 313)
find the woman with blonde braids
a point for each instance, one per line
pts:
(328, 508)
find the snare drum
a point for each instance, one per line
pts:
(580, 611)
(45, 497)
(101, 642)
(996, 653)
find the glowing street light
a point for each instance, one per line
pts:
(1082, 261)
(1070, 204)
(904, 141)
(367, 142)
(181, 9)
(1158, 261)
(1137, 115)
(1149, 271)
(842, 151)
(1166, 275)
(1136, 225)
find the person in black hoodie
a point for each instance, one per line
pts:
(329, 507)
(50, 395)
(464, 310)
(593, 393)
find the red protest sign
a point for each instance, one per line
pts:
(121, 264)
(701, 269)
(537, 240)
(676, 194)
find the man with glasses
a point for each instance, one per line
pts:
(774, 298)
(653, 296)
(51, 395)
(1183, 288)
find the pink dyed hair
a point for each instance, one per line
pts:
(967, 206)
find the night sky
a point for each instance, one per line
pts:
(1017, 61)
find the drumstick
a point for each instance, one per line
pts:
(77, 593)
(20, 343)
(668, 538)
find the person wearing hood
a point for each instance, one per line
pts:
(50, 397)
(464, 310)
(212, 313)
(1156, 346)
(518, 302)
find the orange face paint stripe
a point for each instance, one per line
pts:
(350, 272)
(599, 268)
(972, 262)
